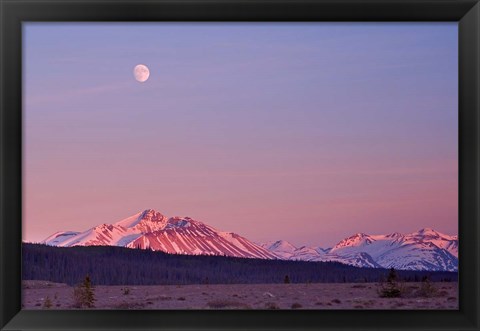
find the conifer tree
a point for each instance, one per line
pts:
(89, 295)
(391, 289)
(392, 276)
(84, 295)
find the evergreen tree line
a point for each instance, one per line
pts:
(124, 266)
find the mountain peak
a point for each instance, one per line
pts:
(357, 239)
(283, 244)
(152, 215)
(281, 248)
(150, 220)
(394, 235)
(360, 235)
(428, 232)
(151, 229)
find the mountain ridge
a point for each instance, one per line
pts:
(425, 249)
(152, 230)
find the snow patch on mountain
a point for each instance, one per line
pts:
(58, 238)
(425, 249)
(282, 248)
(152, 230)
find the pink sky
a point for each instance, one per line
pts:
(306, 132)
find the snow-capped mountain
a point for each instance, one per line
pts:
(150, 229)
(282, 248)
(426, 249)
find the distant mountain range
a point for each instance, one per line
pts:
(426, 249)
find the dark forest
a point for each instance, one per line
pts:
(107, 265)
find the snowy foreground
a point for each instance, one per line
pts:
(244, 296)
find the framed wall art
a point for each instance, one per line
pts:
(239, 165)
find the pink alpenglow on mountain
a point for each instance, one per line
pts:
(426, 249)
(152, 230)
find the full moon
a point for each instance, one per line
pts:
(141, 72)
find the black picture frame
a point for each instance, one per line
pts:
(14, 12)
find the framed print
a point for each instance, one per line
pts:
(239, 165)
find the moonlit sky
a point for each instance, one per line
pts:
(308, 132)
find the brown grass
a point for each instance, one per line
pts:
(243, 296)
(227, 304)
